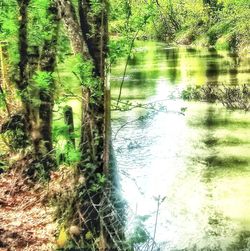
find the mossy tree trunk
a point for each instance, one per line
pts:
(91, 43)
(37, 101)
(46, 96)
(94, 142)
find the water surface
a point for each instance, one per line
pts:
(197, 163)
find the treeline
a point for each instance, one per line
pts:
(220, 23)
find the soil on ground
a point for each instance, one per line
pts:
(26, 223)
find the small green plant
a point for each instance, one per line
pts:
(191, 93)
(43, 80)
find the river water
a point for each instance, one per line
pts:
(191, 168)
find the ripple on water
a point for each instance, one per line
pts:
(200, 162)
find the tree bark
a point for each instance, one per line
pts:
(95, 32)
(69, 121)
(3, 81)
(94, 27)
(68, 15)
(95, 132)
(22, 82)
(44, 144)
(38, 118)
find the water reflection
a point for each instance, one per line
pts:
(212, 69)
(140, 78)
(173, 72)
(192, 51)
(199, 162)
(233, 71)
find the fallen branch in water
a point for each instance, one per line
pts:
(232, 97)
(152, 111)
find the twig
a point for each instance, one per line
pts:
(159, 201)
(2, 76)
(126, 66)
(143, 117)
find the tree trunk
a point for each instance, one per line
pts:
(3, 81)
(69, 121)
(38, 118)
(43, 144)
(94, 27)
(95, 134)
(22, 80)
(68, 14)
(94, 30)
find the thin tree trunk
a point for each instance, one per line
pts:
(38, 118)
(2, 81)
(69, 121)
(22, 80)
(43, 144)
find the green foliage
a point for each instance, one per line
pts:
(63, 45)
(226, 23)
(118, 48)
(139, 235)
(8, 24)
(184, 22)
(89, 236)
(3, 166)
(128, 21)
(191, 93)
(9, 29)
(43, 80)
(96, 6)
(65, 152)
(17, 139)
(39, 23)
(73, 155)
(83, 69)
(60, 130)
(99, 182)
(2, 100)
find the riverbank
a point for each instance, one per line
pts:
(220, 24)
(239, 46)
